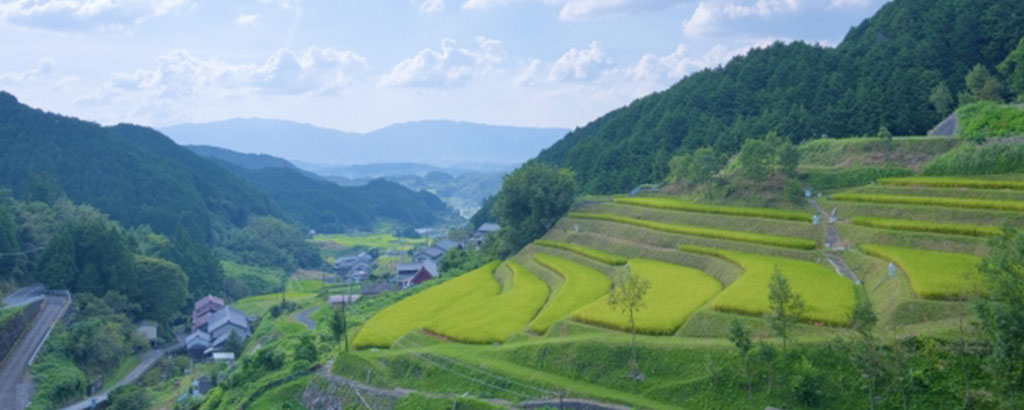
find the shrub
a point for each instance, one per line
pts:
(925, 226)
(761, 239)
(675, 293)
(997, 157)
(595, 254)
(582, 285)
(828, 296)
(989, 119)
(932, 274)
(951, 182)
(852, 177)
(678, 205)
(933, 201)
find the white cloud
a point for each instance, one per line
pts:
(248, 19)
(429, 6)
(580, 64)
(582, 9)
(179, 74)
(283, 4)
(43, 67)
(847, 3)
(76, 15)
(486, 4)
(450, 67)
(674, 66)
(708, 15)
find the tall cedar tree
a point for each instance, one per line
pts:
(1001, 311)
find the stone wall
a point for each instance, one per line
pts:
(11, 330)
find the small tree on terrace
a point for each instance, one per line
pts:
(339, 324)
(756, 159)
(942, 99)
(740, 337)
(786, 306)
(1001, 312)
(627, 296)
(863, 320)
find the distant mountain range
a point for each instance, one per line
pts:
(470, 146)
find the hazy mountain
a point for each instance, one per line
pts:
(438, 143)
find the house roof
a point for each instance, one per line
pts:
(375, 288)
(202, 319)
(434, 252)
(198, 337)
(208, 299)
(446, 244)
(489, 227)
(228, 315)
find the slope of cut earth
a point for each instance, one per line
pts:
(828, 297)
(493, 316)
(675, 293)
(413, 313)
(582, 286)
(934, 275)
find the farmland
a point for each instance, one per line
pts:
(762, 239)
(591, 253)
(948, 182)
(925, 226)
(828, 297)
(674, 204)
(582, 286)
(1015, 206)
(675, 293)
(934, 275)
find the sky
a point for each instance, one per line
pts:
(359, 65)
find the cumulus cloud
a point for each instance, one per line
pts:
(179, 74)
(247, 19)
(679, 63)
(429, 6)
(580, 64)
(582, 9)
(451, 66)
(708, 15)
(43, 67)
(847, 3)
(77, 15)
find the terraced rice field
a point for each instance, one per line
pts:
(675, 293)
(582, 285)
(591, 253)
(415, 312)
(967, 203)
(925, 226)
(749, 237)
(951, 182)
(933, 274)
(490, 315)
(827, 296)
(679, 205)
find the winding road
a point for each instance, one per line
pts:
(149, 359)
(832, 239)
(16, 386)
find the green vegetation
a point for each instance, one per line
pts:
(491, 315)
(416, 311)
(244, 280)
(532, 199)
(983, 120)
(582, 286)
(260, 305)
(771, 240)
(949, 182)
(925, 226)
(844, 178)
(828, 297)
(675, 293)
(678, 205)
(1001, 313)
(932, 201)
(1000, 156)
(934, 275)
(595, 254)
(371, 241)
(9, 312)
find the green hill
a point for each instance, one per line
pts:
(134, 174)
(880, 75)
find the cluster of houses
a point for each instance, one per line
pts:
(355, 269)
(213, 323)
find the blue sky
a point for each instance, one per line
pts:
(359, 65)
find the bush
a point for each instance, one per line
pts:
(998, 157)
(761, 239)
(678, 205)
(595, 254)
(988, 119)
(925, 226)
(852, 177)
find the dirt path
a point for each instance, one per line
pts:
(304, 318)
(16, 386)
(832, 239)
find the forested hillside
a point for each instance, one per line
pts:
(328, 207)
(881, 75)
(134, 174)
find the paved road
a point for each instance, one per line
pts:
(303, 317)
(24, 295)
(148, 360)
(15, 382)
(832, 238)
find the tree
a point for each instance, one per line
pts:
(789, 159)
(756, 158)
(166, 287)
(1012, 68)
(531, 200)
(942, 99)
(627, 296)
(704, 164)
(306, 349)
(786, 306)
(863, 320)
(679, 167)
(981, 86)
(339, 324)
(1001, 311)
(740, 337)
(128, 397)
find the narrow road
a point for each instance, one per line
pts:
(148, 360)
(24, 295)
(832, 239)
(15, 381)
(303, 317)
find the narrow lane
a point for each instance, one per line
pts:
(15, 381)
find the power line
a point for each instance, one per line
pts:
(37, 249)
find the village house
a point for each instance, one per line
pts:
(412, 274)
(376, 288)
(213, 322)
(477, 237)
(203, 309)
